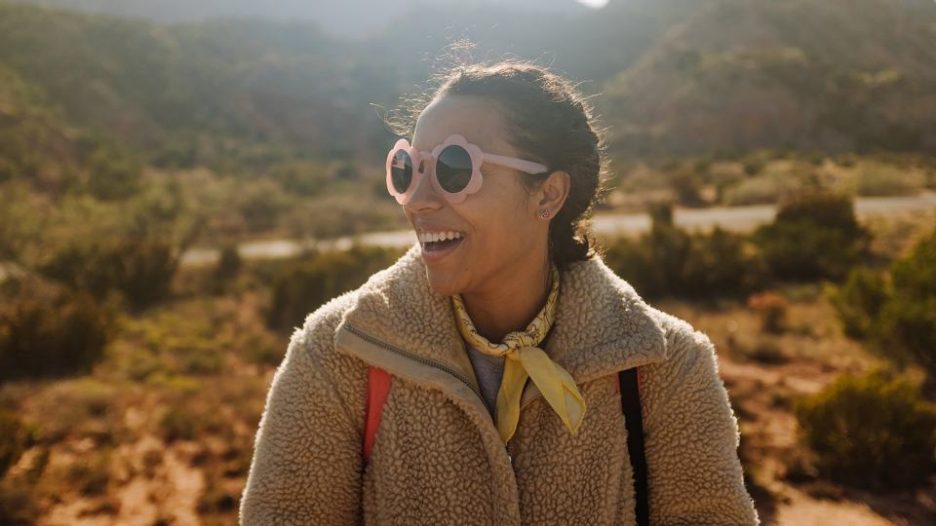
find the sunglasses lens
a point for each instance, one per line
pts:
(453, 168)
(401, 171)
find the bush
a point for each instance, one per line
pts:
(308, 283)
(721, 263)
(47, 331)
(114, 173)
(141, 269)
(261, 205)
(671, 262)
(899, 315)
(654, 263)
(859, 302)
(814, 236)
(908, 320)
(871, 431)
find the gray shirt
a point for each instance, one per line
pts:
(489, 370)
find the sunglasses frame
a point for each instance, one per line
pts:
(477, 156)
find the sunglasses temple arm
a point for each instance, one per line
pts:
(517, 164)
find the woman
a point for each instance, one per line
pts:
(504, 165)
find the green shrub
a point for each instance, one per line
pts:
(114, 173)
(668, 261)
(859, 302)
(47, 331)
(721, 263)
(261, 204)
(141, 269)
(898, 315)
(814, 236)
(908, 320)
(871, 431)
(303, 178)
(308, 283)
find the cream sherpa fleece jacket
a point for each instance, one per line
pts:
(437, 458)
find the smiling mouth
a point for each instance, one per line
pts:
(438, 242)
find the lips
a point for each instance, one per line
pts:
(427, 236)
(436, 245)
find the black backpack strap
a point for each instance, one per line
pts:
(630, 403)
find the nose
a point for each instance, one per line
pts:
(424, 196)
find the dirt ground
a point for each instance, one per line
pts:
(809, 354)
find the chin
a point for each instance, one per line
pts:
(441, 283)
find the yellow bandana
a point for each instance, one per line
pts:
(525, 359)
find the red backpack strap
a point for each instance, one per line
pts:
(378, 385)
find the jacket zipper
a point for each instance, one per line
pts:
(424, 361)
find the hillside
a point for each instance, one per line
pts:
(340, 17)
(674, 77)
(855, 75)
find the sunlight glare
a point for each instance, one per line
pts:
(595, 4)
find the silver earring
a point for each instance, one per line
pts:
(544, 213)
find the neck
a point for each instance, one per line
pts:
(510, 304)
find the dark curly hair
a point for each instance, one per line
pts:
(551, 122)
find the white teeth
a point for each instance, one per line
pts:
(438, 236)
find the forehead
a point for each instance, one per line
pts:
(479, 120)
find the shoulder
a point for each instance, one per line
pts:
(691, 361)
(320, 325)
(318, 329)
(683, 341)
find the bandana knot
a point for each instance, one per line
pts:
(525, 359)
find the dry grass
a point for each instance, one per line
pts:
(162, 430)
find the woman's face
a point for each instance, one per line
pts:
(501, 232)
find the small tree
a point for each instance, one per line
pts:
(815, 235)
(48, 331)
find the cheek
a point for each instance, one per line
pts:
(501, 225)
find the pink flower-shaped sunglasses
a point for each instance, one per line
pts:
(455, 165)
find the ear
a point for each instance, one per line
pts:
(553, 192)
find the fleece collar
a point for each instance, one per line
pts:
(398, 323)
